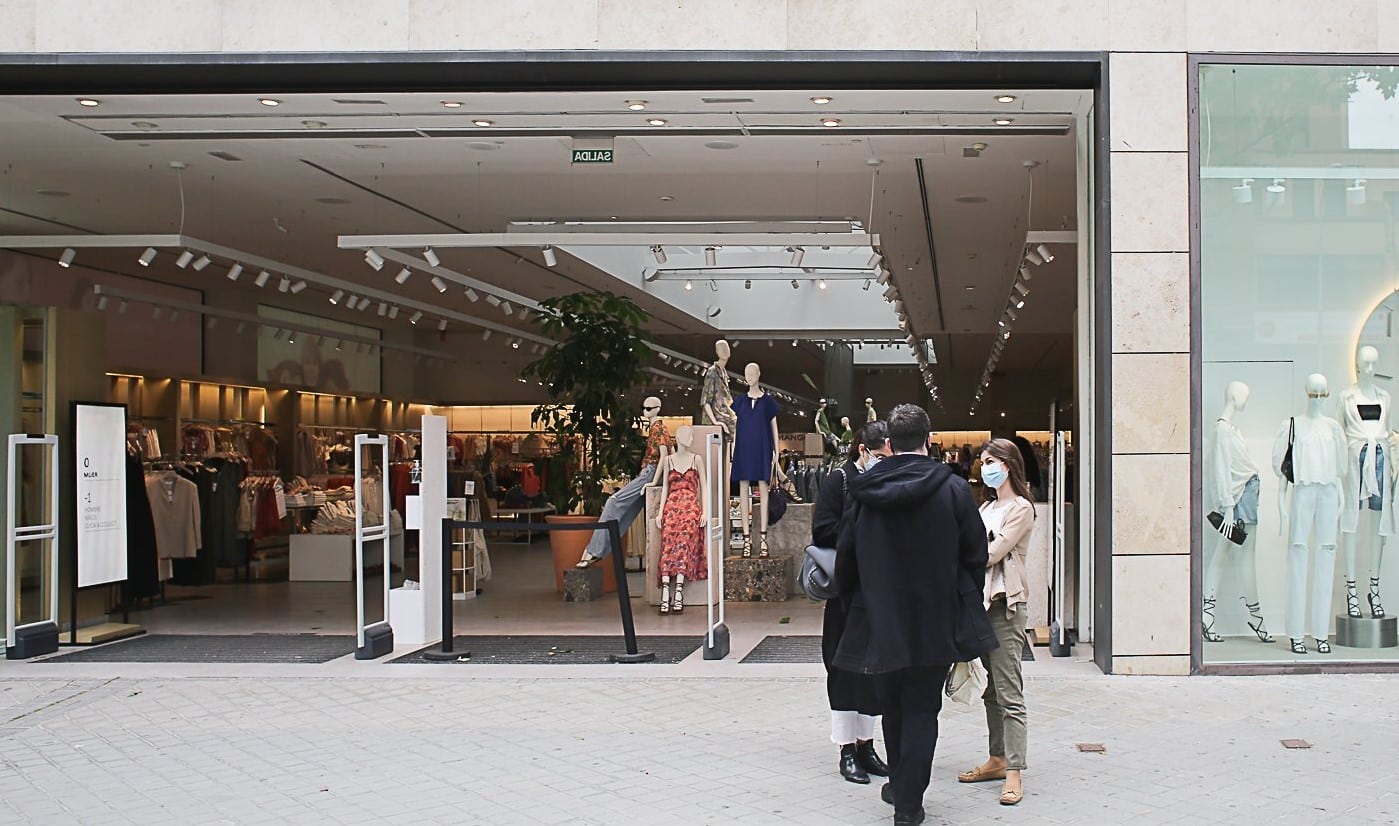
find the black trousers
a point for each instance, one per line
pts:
(846, 690)
(912, 699)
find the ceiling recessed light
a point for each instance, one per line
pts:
(1003, 121)
(452, 104)
(657, 121)
(313, 124)
(969, 288)
(831, 122)
(89, 102)
(821, 100)
(483, 146)
(145, 125)
(667, 197)
(1005, 98)
(483, 122)
(720, 145)
(53, 193)
(269, 101)
(636, 105)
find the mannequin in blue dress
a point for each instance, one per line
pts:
(755, 455)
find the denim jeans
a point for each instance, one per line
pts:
(624, 506)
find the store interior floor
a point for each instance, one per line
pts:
(518, 599)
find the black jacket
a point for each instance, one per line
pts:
(912, 560)
(830, 506)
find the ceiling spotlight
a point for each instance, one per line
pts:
(1003, 121)
(636, 105)
(549, 258)
(506, 308)
(364, 303)
(439, 283)
(867, 285)
(415, 317)
(482, 122)
(747, 283)
(431, 257)
(1005, 98)
(659, 252)
(1026, 273)
(284, 285)
(101, 302)
(1044, 253)
(403, 276)
(713, 312)
(121, 307)
(374, 259)
(89, 102)
(514, 344)
(492, 300)
(472, 295)
(201, 262)
(1012, 314)
(797, 255)
(1355, 193)
(156, 313)
(262, 278)
(820, 283)
(883, 276)
(383, 309)
(1021, 289)
(339, 345)
(1034, 257)
(442, 326)
(689, 285)
(713, 287)
(66, 259)
(269, 101)
(821, 100)
(353, 302)
(1020, 305)
(1243, 193)
(235, 271)
(795, 285)
(657, 121)
(1006, 335)
(711, 256)
(185, 257)
(830, 122)
(794, 342)
(485, 335)
(1277, 190)
(393, 312)
(452, 104)
(336, 296)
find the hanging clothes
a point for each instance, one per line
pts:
(142, 565)
(175, 510)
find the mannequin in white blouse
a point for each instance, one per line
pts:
(1233, 493)
(1319, 460)
(1363, 412)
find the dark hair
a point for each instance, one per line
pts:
(872, 436)
(1009, 454)
(909, 428)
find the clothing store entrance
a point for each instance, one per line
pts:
(258, 277)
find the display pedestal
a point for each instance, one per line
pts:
(1367, 632)
(758, 580)
(406, 616)
(582, 584)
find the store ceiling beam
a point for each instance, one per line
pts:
(609, 239)
(496, 133)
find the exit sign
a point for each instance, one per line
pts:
(592, 156)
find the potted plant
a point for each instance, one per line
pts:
(598, 357)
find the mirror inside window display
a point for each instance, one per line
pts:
(1299, 297)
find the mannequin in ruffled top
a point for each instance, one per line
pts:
(1363, 411)
(684, 506)
(716, 400)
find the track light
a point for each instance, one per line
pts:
(891, 293)
(1022, 289)
(1012, 314)
(873, 261)
(689, 285)
(713, 287)
(201, 262)
(262, 278)
(121, 307)
(651, 276)
(472, 295)
(795, 285)
(797, 255)
(393, 312)
(506, 308)
(1026, 273)
(1044, 253)
(549, 258)
(442, 326)
(747, 283)
(659, 252)
(336, 296)
(415, 317)
(439, 283)
(1034, 257)
(156, 313)
(374, 259)
(403, 276)
(713, 312)
(431, 257)
(492, 300)
(235, 271)
(794, 342)
(485, 335)
(1277, 190)
(185, 257)
(339, 345)
(284, 285)
(364, 304)
(711, 256)
(383, 309)
(353, 302)
(1355, 193)
(66, 259)
(866, 288)
(101, 302)
(1243, 193)
(297, 287)
(514, 344)
(883, 277)
(147, 257)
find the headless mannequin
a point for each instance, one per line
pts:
(1372, 406)
(1235, 399)
(630, 500)
(683, 459)
(870, 415)
(752, 375)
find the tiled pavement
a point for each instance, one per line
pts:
(423, 744)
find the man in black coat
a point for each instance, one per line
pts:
(912, 561)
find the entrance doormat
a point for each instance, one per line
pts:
(216, 648)
(557, 650)
(804, 649)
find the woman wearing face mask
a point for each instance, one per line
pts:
(1009, 517)
(854, 707)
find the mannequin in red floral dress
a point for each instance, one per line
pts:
(684, 504)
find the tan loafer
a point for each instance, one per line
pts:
(977, 775)
(1010, 797)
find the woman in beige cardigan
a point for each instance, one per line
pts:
(1009, 517)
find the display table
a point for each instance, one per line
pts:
(331, 557)
(526, 517)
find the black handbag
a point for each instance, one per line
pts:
(1286, 467)
(1237, 534)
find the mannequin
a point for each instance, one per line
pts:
(870, 415)
(1233, 493)
(626, 504)
(755, 455)
(715, 398)
(847, 433)
(1363, 412)
(823, 427)
(684, 516)
(1320, 461)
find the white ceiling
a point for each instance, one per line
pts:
(312, 169)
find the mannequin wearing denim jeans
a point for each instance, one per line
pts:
(626, 504)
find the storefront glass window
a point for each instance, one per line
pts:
(1299, 293)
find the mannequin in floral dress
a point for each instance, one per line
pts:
(684, 506)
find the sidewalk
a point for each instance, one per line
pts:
(339, 743)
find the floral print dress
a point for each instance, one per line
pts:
(682, 531)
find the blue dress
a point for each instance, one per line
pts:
(753, 445)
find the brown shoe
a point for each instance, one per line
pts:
(981, 775)
(1011, 797)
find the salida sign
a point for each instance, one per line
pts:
(592, 156)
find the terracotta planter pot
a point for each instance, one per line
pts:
(568, 548)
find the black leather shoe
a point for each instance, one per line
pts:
(870, 760)
(886, 793)
(915, 816)
(850, 766)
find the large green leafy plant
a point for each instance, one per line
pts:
(598, 358)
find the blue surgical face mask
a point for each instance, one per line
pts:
(871, 459)
(993, 476)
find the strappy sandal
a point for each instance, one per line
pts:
(1352, 600)
(747, 547)
(665, 599)
(1376, 607)
(1011, 797)
(763, 546)
(1257, 613)
(1296, 645)
(677, 605)
(978, 775)
(1323, 646)
(1207, 620)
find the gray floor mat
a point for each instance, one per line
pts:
(558, 650)
(795, 649)
(214, 648)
